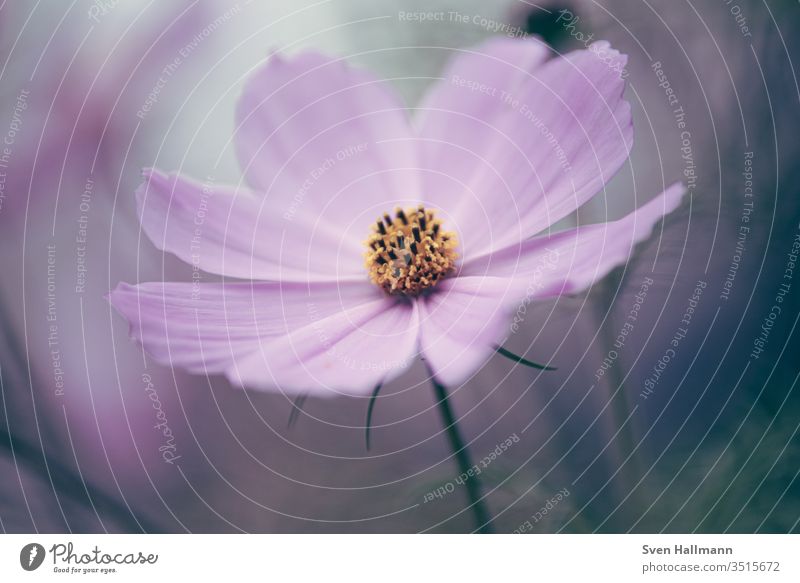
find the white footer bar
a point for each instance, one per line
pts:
(389, 558)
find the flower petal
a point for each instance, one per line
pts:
(462, 323)
(230, 231)
(572, 260)
(350, 352)
(497, 65)
(319, 137)
(533, 150)
(210, 327)
(467, 317)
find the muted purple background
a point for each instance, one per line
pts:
(716, 445)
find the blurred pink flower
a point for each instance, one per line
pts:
(74, 98)
(445, 210)
(72, 88)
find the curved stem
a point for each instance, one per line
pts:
(477, 504)
(370, 407)
(297, 408)
(519, 359)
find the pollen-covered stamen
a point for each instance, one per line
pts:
(411, 252)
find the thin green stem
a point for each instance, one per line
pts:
(370, 407)
(297, 408)
(478, 506)
(519, 359)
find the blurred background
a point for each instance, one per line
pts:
(619, 438)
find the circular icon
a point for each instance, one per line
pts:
(31, 556)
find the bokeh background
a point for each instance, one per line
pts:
(712, 448)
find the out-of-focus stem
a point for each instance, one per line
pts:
(70, 484)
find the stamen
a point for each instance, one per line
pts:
(410, 269)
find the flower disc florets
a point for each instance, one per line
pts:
(411, 252)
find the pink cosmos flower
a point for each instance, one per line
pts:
(364, 240)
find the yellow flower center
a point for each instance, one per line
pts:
(410, 253)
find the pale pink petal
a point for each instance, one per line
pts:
(572, 260)
(230, 231)
(320, 138)
(468, 316)
(350, 352)
(472, 83)
(509, 144)
(461, 324)
(528, 151)
(209, 327)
